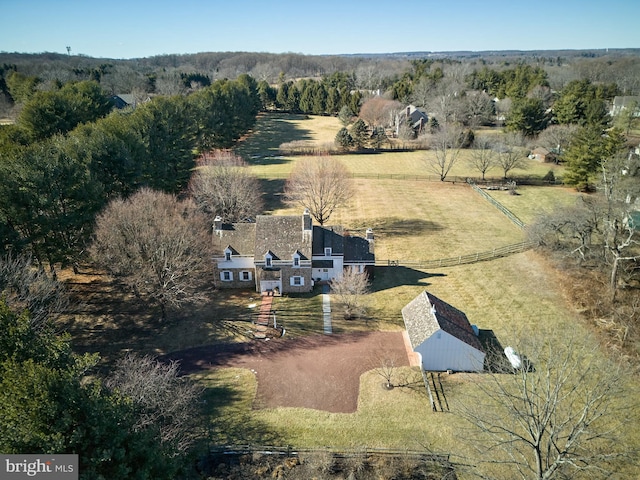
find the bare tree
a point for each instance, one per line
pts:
(222, 186)
(483, 156)
(156, 244)
(446, 144)
(378, 111)
(320, 184)
(164, 400)
(569, 228)
(510, 152)
(477, 109)
(621, 187)
(424, 90)
(25, 286)
(350, 290)
(555, 138)
(446, 102)
(561, 413)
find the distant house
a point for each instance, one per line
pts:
(124, 100)
(286, 253)
(442, 335)
(621, 103)
(542, 154)
(415, 118)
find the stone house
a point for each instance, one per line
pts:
(286, 253)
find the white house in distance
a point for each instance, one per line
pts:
(442, 336)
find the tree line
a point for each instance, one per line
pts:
(69, 154)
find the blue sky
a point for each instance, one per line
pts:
(132, 29)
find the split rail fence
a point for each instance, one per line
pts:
(459, 260)
(288, 451)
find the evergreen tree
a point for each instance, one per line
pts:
(589, 147)
(49, 404)
(343, 139)
(527, 116)
(359, 134)
(48, 113)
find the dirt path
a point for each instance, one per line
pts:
(320, 371)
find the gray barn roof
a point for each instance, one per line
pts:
(426, 314)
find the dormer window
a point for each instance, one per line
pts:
(268, 260)
(227, 255)
(327, 251)
(296, 259)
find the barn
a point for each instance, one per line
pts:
(442, 335)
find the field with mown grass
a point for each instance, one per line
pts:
(413, 219)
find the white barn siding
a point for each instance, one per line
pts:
(442, 351)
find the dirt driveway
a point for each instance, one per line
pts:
(320, 371)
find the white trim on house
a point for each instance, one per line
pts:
(226, 276)
(296, 281)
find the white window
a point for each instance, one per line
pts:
(226, 276)
(327, 252)
(245, 276)
(227, 255)
(296, 260)
(297, 281)
(268, 261)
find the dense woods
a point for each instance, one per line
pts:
(58, 172)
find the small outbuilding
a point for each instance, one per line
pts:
(442, 335)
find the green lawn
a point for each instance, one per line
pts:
(531, 202)
(412, 220)
(261, 151)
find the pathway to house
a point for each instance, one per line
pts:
(263, 316)
(326, 309)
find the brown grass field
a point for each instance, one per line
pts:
(412, 220)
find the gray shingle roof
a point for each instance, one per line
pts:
(358, 250)
(282, 235)
(328, 237)
(426, 314)
(239, 236)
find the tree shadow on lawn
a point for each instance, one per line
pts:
(272, 194)
(271, 130)
(387, 277)
(398, 227)
(233, 427)
(233, 354)
(495, 360)
(105, 318)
